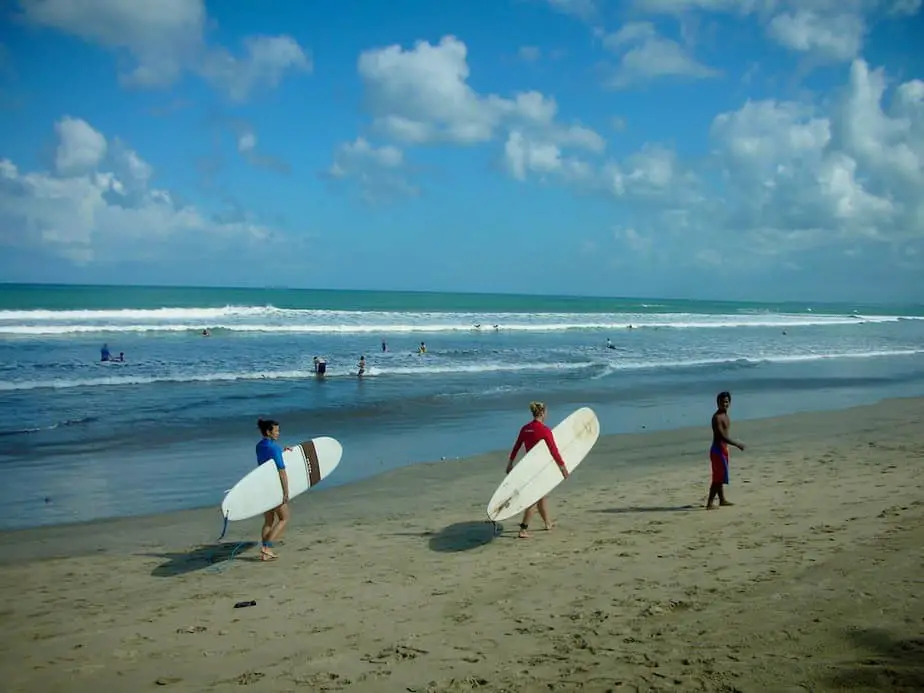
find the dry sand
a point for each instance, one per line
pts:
(811, 582)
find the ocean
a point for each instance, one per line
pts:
(174, 425)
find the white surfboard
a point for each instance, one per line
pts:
(307, 463)
(537, 473)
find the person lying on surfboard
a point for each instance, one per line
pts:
(275, 520)
(529, 437)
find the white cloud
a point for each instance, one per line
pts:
(422, 95)
(267, 60)
(582, 9)
(377, 170)
(360, 153)
(827, 29)
(892, 146)
(246, 142)
(651, 175)
(98, 204)
(529, 53)
(905, 7)
(522, 155)
(158, 41)
(645, 55)
(838, 36)
(80, 147)
(633, 240)
(799, 178)
(762, 136)
(160, 36)
(784, 178)
(680, 6)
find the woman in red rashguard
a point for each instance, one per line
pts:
(530, 435)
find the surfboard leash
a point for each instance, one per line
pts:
(224, 528)
(216, 566)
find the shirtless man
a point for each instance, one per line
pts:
(718, 453)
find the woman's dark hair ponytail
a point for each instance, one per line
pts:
(266, 425)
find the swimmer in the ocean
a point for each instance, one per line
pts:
(320, 366)
(422, 349)
(361, 366)
(104, 354)
(609, 344)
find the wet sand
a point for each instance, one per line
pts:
(812, 581)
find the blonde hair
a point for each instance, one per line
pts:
(537, 408)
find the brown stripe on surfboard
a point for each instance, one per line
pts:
(311, 462)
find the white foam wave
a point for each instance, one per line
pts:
(607, 368)
(482, 368)
(188, 314)
(273, 320)
(753, 360)
(64, 384)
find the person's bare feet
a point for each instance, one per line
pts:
(710, 507)
(267, 555)
(549, 526)
(523, 534)
(724, 503)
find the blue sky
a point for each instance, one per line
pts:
(752, 149)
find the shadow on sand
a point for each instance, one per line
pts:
(462, 536)
(648, 509)
(201, 557)
(893, 665)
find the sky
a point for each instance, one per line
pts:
(736, 149)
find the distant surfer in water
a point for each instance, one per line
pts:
(104, 354)
(422, 349)
(530, 435)
(275, 520)
(718, 453)
(362, 366)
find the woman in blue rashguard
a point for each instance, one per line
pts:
(275, 520)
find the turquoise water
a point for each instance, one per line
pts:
(66, 297)
(173, 425)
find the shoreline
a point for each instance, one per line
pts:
(370, 454)
(811, 581)
(483, 472)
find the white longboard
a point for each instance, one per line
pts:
(536, 474)
(307, 463)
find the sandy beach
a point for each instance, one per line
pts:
(812, 582)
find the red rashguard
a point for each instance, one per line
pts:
(531, 434)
